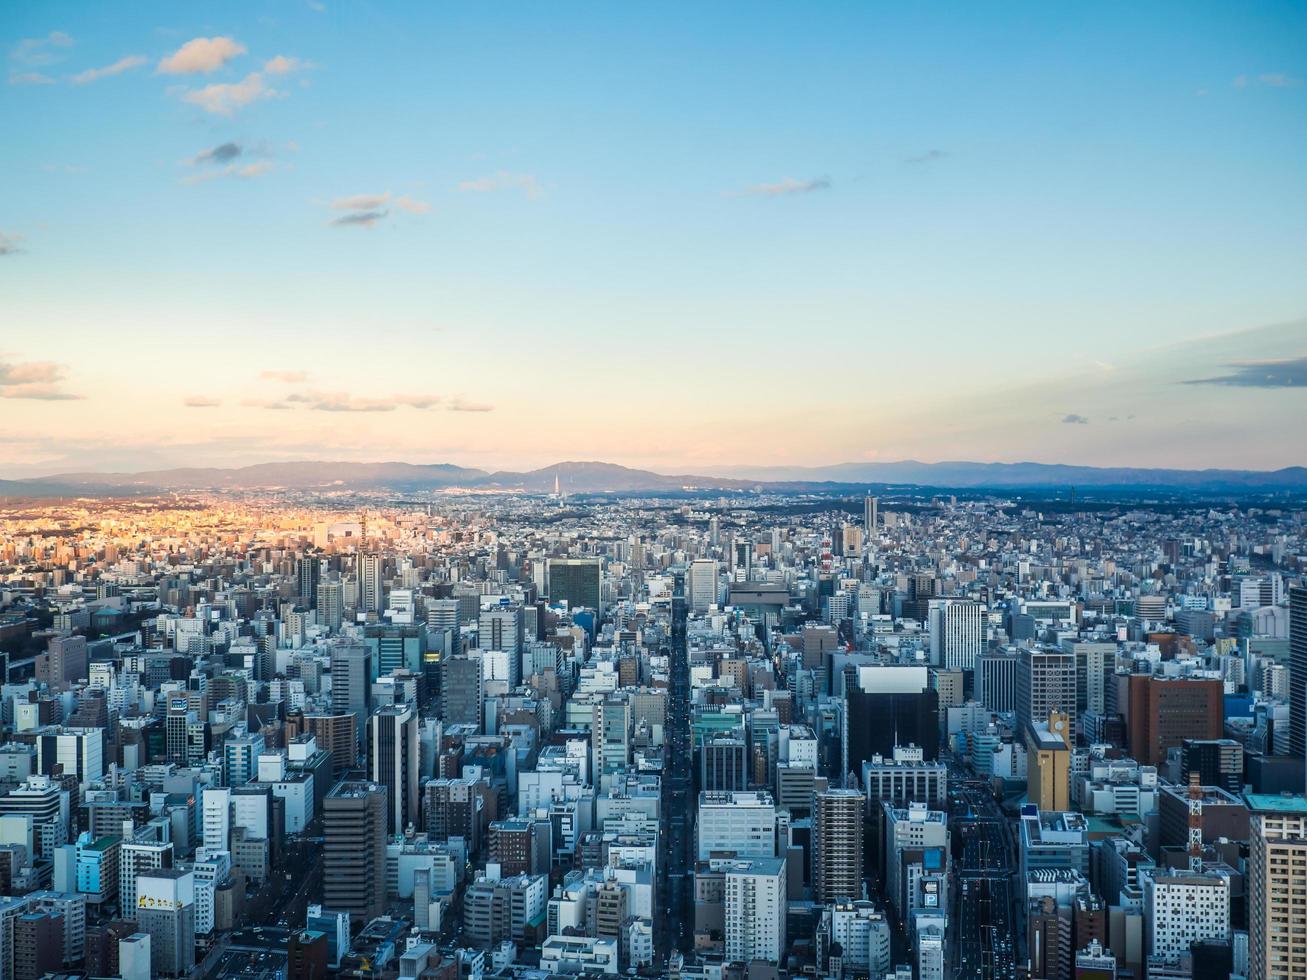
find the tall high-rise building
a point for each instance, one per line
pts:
(837, 845)
(1298, 670)
(371, 589)
(393, 762)
(354, 849)
(215, 806)
(395, 648)
(330, 603)
(1277, 915)
(461, 690)
(754, 900)
(575, 581)
(165, 911)
(442, 614)
(701, 584)
(1046, 682)
(724, 763)
(736, 824)
(1216, 761)
(63, 662)
(351, 682)
(996, 680)
(958, 631)
(1163, 711)
(1182, 907)
(308, 575)
(870, 506)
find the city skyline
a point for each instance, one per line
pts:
(681, 239)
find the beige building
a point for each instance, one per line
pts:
(1277, 888)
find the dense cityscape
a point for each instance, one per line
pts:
(456, 734)
(744, 490)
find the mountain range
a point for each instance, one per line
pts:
(599, 477)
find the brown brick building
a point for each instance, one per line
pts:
(1162, 712)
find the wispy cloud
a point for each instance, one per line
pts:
(227, 98)
(360, 219)
(42, 393)
(460, 405)
(38, 380)
(503, 180)
(790, 186)
(34, 53)
(200, 401)
(341, 401)
(38, 51)
(222, 153)
(10, 244)
(1270, 79)
(29, 78)
(929, 156)
(290, 377)
(226, 156)
(367, 210)
(132, 61)
(1074, 419)
(1289, 372)
(201, 56)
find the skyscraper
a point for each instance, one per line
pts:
(461, 689)
(1298, 670)
(837, 845)
(165, 907)
(1046, 682)
(1277, 918)
(575, 581)
(330, 604)
(354, 849)
(869, 513)
(701, 584)
(351, 682)
(958, 630)
(393, 762)
(308, 574)
(371, 592)
(755, 906)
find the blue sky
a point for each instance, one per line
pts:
(662, 234)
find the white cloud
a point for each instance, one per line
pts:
(368, 209)
(37, 380)
(502, 180)
(790, 186)
(42, 393)
(40, 50)
(200, 401)
(412, 205)
(290, 377)
(200, 56)
(108, 71)
(224, 98)
(283, 65)
(1271, 79)
(10, 245)
(360, 202)
(29, 78)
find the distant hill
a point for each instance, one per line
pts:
(980, 475)
(599, 477)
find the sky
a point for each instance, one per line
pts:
(680, 236)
